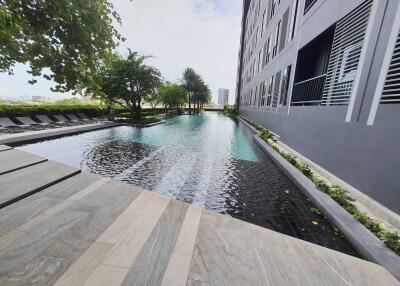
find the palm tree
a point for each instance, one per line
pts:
(189, 79)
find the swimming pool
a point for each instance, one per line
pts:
(209, 160)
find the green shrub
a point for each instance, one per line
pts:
(265, 135)
(391, 239)
(36, 109)
(322, 186)
(229, 111)
(306, 170)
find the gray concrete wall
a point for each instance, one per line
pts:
(366, 157)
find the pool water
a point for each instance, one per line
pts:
(209, 160)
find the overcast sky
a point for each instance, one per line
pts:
(202, 34)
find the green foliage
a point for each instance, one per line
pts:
(33, 109)
(322, 186)
(391, 238)
(230, 111)
(126, 81)
(306, 170)
(265, 135)
(69, 101)
(60, 40)
(173, 96)
(197, 90)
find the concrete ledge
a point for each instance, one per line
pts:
(365, 242)
(28, 137)
(4, 148)
(144, 125)
(362, 201)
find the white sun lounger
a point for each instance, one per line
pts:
(47, 121)
(76, 119)
(84, 117)
(63, 120)
(6, 125)
(29, 122)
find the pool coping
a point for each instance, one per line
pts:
(365, 242)
(31, 137)
(143, 125)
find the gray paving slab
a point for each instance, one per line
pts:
(71, 186)
(4, 148)
(159, 246)
(23, 261)
(25, 182)
(13, 160)
(23, 211)
(76, 228)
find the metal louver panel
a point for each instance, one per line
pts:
(345, 56)
(276, 89)
(285, 22)
(391, 91)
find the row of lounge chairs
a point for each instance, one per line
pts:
(41, 122)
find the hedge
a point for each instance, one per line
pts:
(31, 109)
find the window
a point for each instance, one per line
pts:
(264, 93)
(293, 20)
(277, 86)
(260, 60)
(263, 28)
(275, 4)
(267, 51)
(270, 90)
(276, 41)
(285, 86)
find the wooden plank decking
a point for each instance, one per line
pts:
(86, 230)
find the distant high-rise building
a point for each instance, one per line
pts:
(223, 96)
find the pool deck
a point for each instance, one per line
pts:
(61, 226)
(28, 136)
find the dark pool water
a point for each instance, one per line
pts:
(209, 160)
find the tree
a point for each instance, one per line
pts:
(189, 81)
(126, 81)
(61, 40)
(153, 99)
(173, 96)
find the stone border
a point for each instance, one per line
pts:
(365, 242)
(144, 125)
(30, 137)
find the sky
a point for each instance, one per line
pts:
(202, 34)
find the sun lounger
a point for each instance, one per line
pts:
(84, 117)
(46, 121)
(8, 126)
(29, 122)
(63, 120)
(76, 119)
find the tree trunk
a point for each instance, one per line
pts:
(190, 107)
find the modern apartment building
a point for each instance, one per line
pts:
(223, 96)
(325, 76)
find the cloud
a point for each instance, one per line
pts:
(203, 34)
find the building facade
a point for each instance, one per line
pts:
(223, 96)
(325, 76)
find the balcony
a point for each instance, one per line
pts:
(308, 92)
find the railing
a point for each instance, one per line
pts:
(309, 92)
(308, 5)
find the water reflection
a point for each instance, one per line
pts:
(209, 160)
